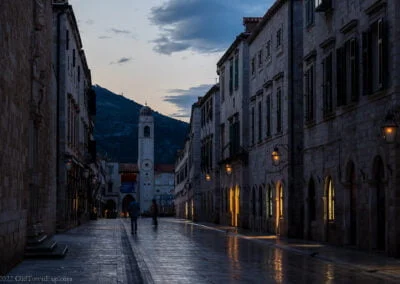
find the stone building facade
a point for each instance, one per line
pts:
(181, 186)
(233, 70)
(188, 171)
(75, 112)
(351, 84)
(27, 128)
(209, 106)
(275, 120)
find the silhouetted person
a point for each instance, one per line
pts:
(154, 212)
(134, 211)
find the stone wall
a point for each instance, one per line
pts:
(27, 182)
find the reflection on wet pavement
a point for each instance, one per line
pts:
(183, 252)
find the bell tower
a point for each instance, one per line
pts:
(146, 158)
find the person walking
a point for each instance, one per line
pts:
(134, 211)
(154, 212)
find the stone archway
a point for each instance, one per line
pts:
(352, 199)
(379, 204)
(311, 207)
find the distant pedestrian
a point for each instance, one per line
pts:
(134, 211)
(154, 212)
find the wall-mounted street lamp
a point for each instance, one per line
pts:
(389, 128)
(228, 169)
(68, 164)
(208, 177)
(276, 155)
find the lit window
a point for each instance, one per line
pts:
(331, 200)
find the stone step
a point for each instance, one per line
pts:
(37, 240)
(59, 251)
(46, 245)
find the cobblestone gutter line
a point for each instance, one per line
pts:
(145, 275)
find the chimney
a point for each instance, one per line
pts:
(250, 23)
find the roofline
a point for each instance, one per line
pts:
(212, 90)
(267, 16)
(241, 37)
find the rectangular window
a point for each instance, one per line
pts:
(341, 81)
(278, 38)
(309, 10)
(260, 58)
(234, 136)
(268, 49)
(366, 64)
(253, 66)
(236, 72)
(222, 86)
(309, 94)
(268, 116)
(222, 140)
(279, 110)
(327, 84)
(353, 62)
(259, 122)
(374, 46)
(73, 58)
(252, 126)
(67, 39)
(230, 76)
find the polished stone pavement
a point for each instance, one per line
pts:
(179, 251)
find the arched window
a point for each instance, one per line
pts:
(269, 201)
(146, 131)
(281, 201)
(330, 199)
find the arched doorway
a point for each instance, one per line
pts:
(329, 208)
(279, 207)
(352, 195)
(311, 206)
(379, 198)
(125, 203)
(110, 209)
(234, 200)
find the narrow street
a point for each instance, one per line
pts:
(179, 251)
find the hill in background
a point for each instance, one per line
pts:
(116, 129)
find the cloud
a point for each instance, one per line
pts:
(104, 37)
(89, 22)
(183, 99)
(122, 60)
(118, 31)
(165, 46)
(201, 25)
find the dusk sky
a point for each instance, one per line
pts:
(162, 52)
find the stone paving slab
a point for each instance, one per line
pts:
(371, 262)
(179, 251)
(99, 252)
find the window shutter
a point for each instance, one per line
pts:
(311, 92)
(339, 71)
(354, 69)
(383, 53)
(366, 61)
(307, 94)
